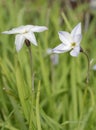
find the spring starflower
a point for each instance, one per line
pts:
(24, 33)
(70, 41)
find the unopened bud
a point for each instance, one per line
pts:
(27, 42)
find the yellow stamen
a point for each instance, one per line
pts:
(25, 31)
(73, 44)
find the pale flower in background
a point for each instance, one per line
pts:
(92, 64)
(70, 41)
(25, 33)
(94, 67)
(93, 4)
(53, 57)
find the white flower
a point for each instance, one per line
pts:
(70, 41)
(25, 32)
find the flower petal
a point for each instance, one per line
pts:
(75, 51)
(65, 37)
(31, 37)
(49, 51)
(19, 40)
(76, 30)
(15, 30)
(38, 28)
(77, 39)
(61, 48)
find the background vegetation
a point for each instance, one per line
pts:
(59, 98)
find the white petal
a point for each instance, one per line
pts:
(49, 51)
(38, 28)
(15, 30)
(76, 30)
(31, 37)
(28, 27)
(65, 37)
(61, 48)
(19, 40)
(75, 51)
(77, 39)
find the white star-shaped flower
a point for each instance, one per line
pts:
(70, 41)
(25, 33)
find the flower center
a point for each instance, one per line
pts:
(25, 31)
(73, 44)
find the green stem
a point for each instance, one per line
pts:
(74, 93)
(88, 70)
(37, 108)
(31, 122)
(31, 63)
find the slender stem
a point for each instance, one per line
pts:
(31, 63)
(30, 53)
(88, 70)
(52, 72)
(32, 85)
(31, 116)
(27, 42)
(37, 108)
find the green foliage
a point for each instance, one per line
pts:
(56, 97)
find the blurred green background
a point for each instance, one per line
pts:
(61, 100)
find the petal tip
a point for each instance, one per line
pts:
(60, 32)
(35, 43)
(5, 32)
(17, 49)
(45, 28)
(49, 51)
(79, 24)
